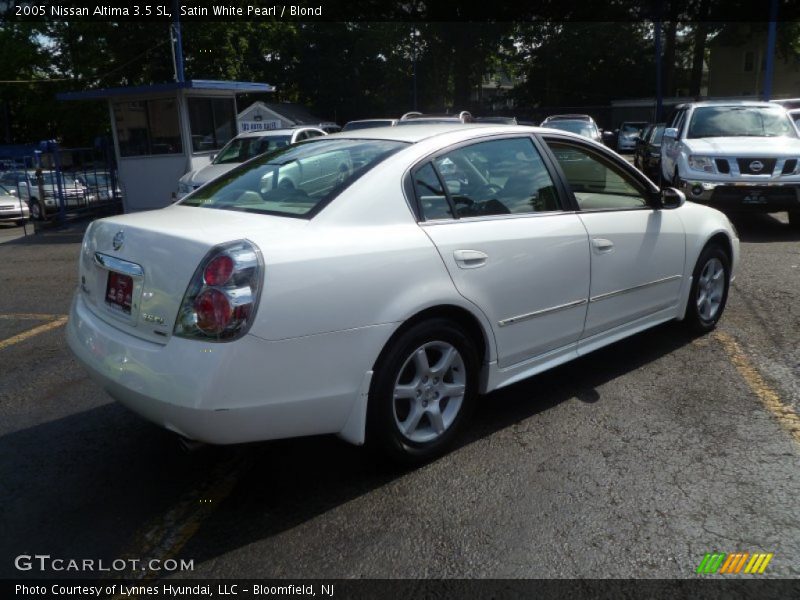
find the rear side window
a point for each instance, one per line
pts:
(296, 180)
(497, 177)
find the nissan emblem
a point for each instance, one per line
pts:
(119, 239)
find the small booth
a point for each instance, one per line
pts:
(162, 131)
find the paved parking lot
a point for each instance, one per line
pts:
(632, 462)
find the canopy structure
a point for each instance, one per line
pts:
(163, 130)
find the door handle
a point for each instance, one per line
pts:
(470, 259)
(602, 245)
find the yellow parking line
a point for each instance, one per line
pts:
(164, 537)
(28, 317)
(785, 414)
(32, 332)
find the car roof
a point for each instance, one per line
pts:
(455, 131)
(728, 103)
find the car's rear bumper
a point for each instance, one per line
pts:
(751, 196)
(226, 393)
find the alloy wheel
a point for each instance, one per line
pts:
(710, 289)
(429, 391)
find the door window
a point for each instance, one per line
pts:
(497, 177)
(597, 183)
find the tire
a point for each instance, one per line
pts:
(709, 293)
(415, 410)
(794, 218)
(37, 214)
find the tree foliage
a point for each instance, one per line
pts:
(349, 70)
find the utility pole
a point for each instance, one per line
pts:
(770, 66)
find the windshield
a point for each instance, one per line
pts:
(631, 129)
(583, 128)
(48, 178)
(295, 180)
(239, 150)
(731, 121)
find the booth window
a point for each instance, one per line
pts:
(212, 121)
(146, 127)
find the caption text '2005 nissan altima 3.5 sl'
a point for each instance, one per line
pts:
(371, 283)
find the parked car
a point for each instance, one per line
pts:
(369, 123)
(12, 208)
(735, 156)
(100, 184)
(567, 117)
(627, 134)
(497, 120)
(647, 155)
(453, 262)
(417, 118)
(242, 148)
(585, 128)
(39, 190)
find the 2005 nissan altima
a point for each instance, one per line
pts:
(372, 283)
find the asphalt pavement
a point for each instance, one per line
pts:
(634, 461)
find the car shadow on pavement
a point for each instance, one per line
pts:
(290, 482)
(88, 484)
(758, 228)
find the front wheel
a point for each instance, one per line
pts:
(710, 282)
(423, 390)
(37, 214)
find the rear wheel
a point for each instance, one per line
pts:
(423, 390)
(710, 282)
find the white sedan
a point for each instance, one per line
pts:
(290, 298)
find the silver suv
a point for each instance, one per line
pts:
(735, 156)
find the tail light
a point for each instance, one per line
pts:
(221, 300)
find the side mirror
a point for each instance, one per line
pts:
(12, 191)
(671, 133)
(212, 157)
(672, 198)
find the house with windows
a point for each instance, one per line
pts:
(279, 115)
(161, 131)
(737, 63)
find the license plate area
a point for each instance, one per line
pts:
(119, 292)
(120, 282)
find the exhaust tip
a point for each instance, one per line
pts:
(189, 446)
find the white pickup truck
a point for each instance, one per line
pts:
(735, 156)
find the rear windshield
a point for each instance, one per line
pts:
(296, 180)
(736, 121)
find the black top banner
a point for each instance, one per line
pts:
(402, 10)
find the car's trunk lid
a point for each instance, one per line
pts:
(135, 269)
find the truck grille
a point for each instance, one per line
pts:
(756, 166)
